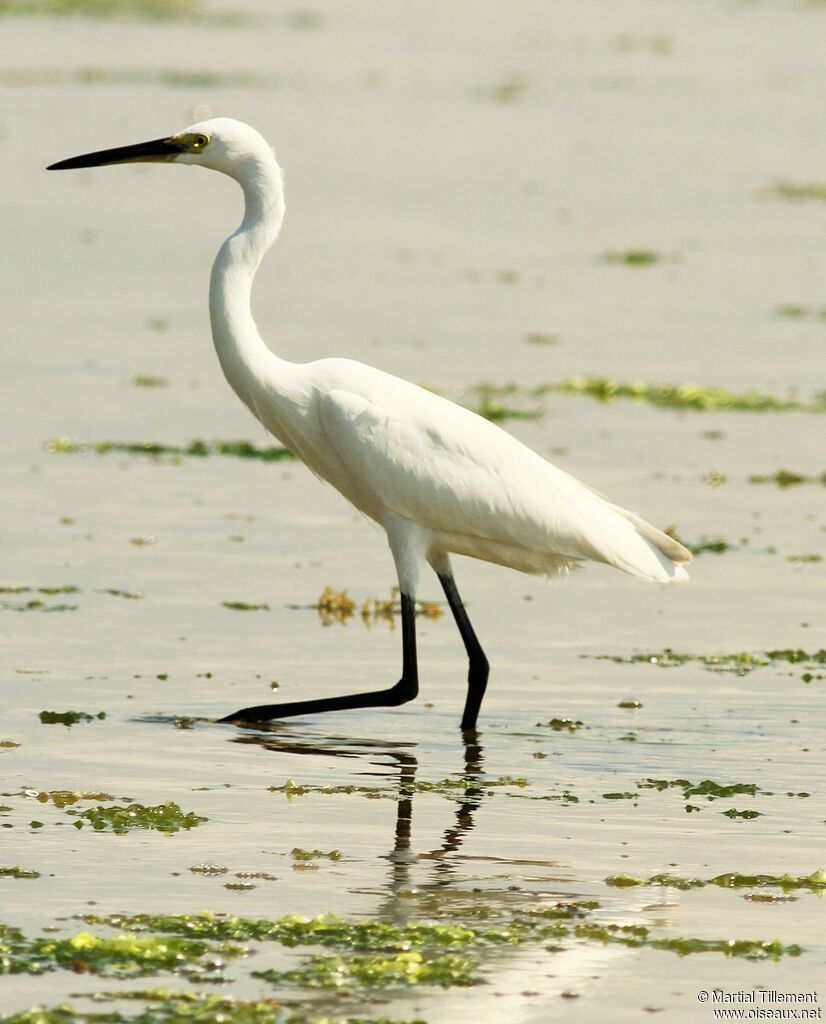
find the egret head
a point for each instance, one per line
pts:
(221, 143)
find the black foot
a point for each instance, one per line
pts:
(404, 691)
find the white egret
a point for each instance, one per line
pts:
(440, 479)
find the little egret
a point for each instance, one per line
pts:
(440, 479)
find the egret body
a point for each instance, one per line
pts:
(438, 478)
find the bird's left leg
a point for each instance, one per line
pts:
(405, 548)
(478, 666)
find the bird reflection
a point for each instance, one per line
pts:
(401, 888)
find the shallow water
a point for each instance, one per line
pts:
(455, 178)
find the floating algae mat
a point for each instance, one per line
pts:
(379, 955)
(815, 882)
(123, 956)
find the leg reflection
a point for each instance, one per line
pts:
(403, 890)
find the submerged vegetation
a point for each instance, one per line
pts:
(797, 311)
(741, 662)
(378, 954)
(68, 717)
(689, 396)
(35, 603)
(18, 872)
(635, 257)
(816, 881)
(168, 1006)
(683, 396)
(123, 956)
(798, 191)
(638, 935)
(166, 817)
(195, 449)
(171, 78)
(189, 11)
(165, 1007)
(787, 478)
(454, 788)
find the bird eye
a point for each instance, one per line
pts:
(199, 141)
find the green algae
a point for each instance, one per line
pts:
(569, 725)
(740, 663)
(399, 970)
(36, 605)
(149, 10)
(322, 930)
(732, 812)
(784, 478)
(243, 606)
(173, 78)
(169, 11)
(454, 788)
(639, 935)
(715, 547)
(62, 798)
(491, 406)
(168, 1006)
(798, 191)
(62, 588)
(124, 956)
(68, 718)
(164, 10)
(634, 257)
(509, 91)
(154, 449)
(18, 872)
(815, 882)
(542, 338)
(682, 396)
(797, 311)
(708, 788)
(687, 396)
(166, 817)
(378, 955)
(461, 785)
(304, 855)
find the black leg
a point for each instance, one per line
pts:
(478, 668)
(405, 689)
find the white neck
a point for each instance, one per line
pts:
(244, 357)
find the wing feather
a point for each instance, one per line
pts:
(451, 471)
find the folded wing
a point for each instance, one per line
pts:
(428, 460)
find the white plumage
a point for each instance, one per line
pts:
(439, 479)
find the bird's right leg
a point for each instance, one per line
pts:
(478, 667)
(405, 689)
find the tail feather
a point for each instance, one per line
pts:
(670, 547)
(642, 550)
(670, 553)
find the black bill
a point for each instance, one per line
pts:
(158, 149)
